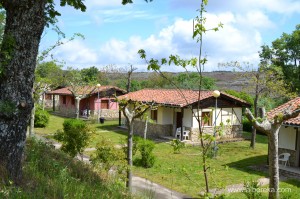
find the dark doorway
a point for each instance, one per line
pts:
(178, 119)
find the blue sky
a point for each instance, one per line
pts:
(114, 33)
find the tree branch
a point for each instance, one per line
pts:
(264, 127)
(290, 114)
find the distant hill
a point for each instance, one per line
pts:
(228, 80)
(224, 79)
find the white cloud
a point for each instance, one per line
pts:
(256, 19)
(230, 43)
(278, 6)
(76, 54)
(234, 42)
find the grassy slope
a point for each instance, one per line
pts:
(49, 173)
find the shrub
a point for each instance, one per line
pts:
(252, 189)
(74, 137)
(177, 145)
(146, 149)
(41, 118)
(109, 156)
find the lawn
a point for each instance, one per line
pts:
(182, 172)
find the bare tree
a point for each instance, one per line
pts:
(129, 74)
(270, 126)
(266, 80)
(198, 64)
(131, 110)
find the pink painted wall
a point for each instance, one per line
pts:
(69, 100)
(113, 105)
(91, 102)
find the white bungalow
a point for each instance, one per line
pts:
(179, 108)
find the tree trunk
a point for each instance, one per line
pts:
(25, 22)
(146, 127)
(129, 156)
(253, 132)
(43, 101)
(253, 137)
(77, 102)
(32, 116)
(273, 162)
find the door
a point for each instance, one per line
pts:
(178, 119)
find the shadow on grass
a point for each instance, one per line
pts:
(251, 165)
(293, 182)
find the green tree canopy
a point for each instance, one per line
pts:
(191, 81)
(50, 73)
(285, 53)
(90, 75)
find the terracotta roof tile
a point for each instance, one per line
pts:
(280, 109)
(84, 90)
(171, 97)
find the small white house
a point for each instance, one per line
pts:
(181, 108)
(289, 134)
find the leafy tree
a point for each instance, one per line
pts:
(285, 53)
(271, 126)
(25, 22)
(242, 95)
(191, 81)
(90, 75)
(265, 81)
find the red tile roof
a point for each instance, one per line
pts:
(172, 97)
(84, 90)
(294, 103)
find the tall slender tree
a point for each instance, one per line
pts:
(198, 64)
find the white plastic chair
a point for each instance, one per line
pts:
(284, 157)
(185, 133)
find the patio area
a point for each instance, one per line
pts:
(289, 172)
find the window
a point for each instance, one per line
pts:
(104, 104)
(206, 118)
(64, 99)
(154, 115)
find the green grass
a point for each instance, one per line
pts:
(108, 131)
(49, 173)
(55, 123)
(183, 173)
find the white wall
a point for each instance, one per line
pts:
(187, 118)
(234, 115)
(287, 138)
(223, 114)
(195, 122)
(164, 115)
